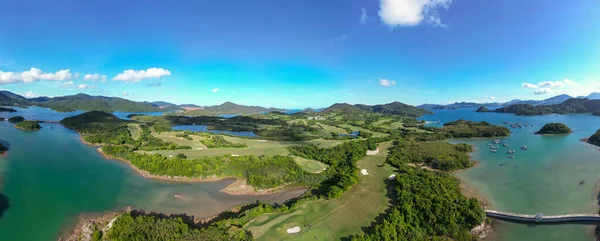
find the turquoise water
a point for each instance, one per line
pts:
(50, 177)
(204, 128)
(545, 178)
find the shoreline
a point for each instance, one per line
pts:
(83, 228)
(15, 125)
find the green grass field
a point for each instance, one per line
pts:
(332, 219)
(134, 130)
(255, 147)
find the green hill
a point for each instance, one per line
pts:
(554, 129)
(394, 108)
(83, 102)
(16, 119)
(93, 122)
(28, 125)
(482, 109)
(229, 108)
(573, 105)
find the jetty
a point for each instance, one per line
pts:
(540, 218)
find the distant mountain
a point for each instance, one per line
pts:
(457, 105)
(190, 106)
(573, 105)
(163, 104)
(594, 96)
(9, 98)
(81, 102)
(394, 108)
(229, 108)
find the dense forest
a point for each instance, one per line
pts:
(146, 227)
(554, 129)
(16, 119)
(594, 139)
(28, 125)
(3, 148)
(429, 206)
(394, 108)
(573, 105)
(435, 154)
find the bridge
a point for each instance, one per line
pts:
(543, 219)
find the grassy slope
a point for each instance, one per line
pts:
(333, 219)
(134, 130)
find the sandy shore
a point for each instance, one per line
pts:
(84, 227)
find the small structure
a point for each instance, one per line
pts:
(539, 217)
(364, 172)
(294, 230)
(392, 177)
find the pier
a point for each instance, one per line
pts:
(543, 219)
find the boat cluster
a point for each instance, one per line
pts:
(517, 124)
(494, 147)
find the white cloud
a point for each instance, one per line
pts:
(34, 75)
(411, 12)
(363, 15)
(386, 82)
(67, 84)
(29, 94)
(542, 91)
(124, 93)
(215, 90)
(569, 82)
(95, 78)
(492, 98)
(551, 84)
(84, 86)
(133, 76)
(528, 86)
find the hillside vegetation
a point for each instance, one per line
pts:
(554, 129)
(3, 148)
(573, 105)
(469, 129)
(28, 125)
(594, 139)
(16, 119)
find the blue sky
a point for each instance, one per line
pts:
(309, 53)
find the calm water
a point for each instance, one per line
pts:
(50, 177)
(545, 178)
(204, 128)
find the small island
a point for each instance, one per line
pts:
(596, 113)
(28, 125)
(554, 129)
(594, 139)
(2, 119)
(3, 109)
(482, 109)
(16, 119)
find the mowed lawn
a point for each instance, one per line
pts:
(356, 128)
(255, 147)
(332, 219)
